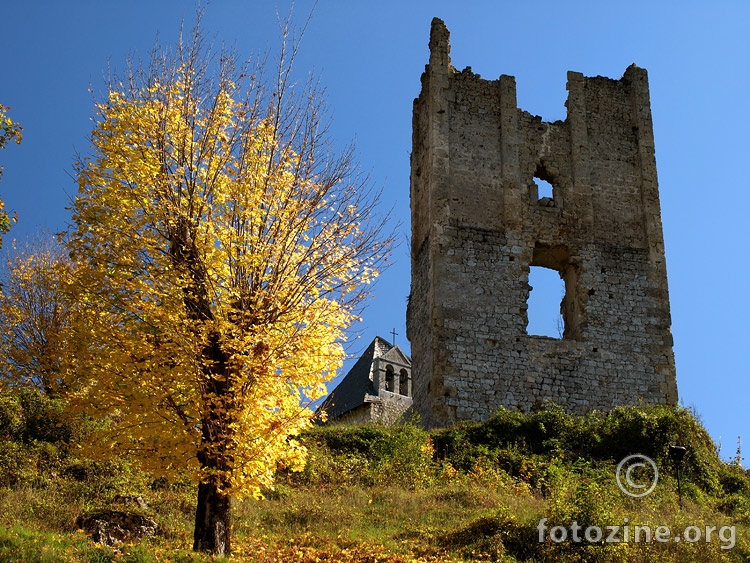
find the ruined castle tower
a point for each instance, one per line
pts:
(478, 225)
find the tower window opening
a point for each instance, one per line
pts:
(544, 303)
(553, 309)
(544, 189)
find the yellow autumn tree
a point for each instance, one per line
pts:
(9, 131)
(34, 314)
(221, 250)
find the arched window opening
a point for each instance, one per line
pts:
(389, 378)
(403, 383)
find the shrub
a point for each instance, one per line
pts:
(523, 444)
(27, 415)
(369, 454)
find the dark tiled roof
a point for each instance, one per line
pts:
(357, 385)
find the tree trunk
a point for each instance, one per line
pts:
(213, 513)
(212, 521)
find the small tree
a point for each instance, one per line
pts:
(221, 250)
(9, 131)
(33, 313)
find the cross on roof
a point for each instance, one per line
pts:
(394, 334)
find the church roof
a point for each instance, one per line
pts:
(357, 387)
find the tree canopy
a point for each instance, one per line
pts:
(9, 131)
(34, 314)
(221, 248)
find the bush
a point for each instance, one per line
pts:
(36, 435)
(523, 444)
(16, 465)
(369, 454)
(27, 415)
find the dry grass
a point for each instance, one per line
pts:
(373, 494)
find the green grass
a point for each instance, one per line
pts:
(475, 492)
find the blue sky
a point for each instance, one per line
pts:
(370, 57)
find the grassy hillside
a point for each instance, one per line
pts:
(475, 492)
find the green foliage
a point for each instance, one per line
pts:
(35, 436)
(369, 454)
(523, 443)
(475, 492)
(27, 415)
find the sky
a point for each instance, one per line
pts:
(370, 55)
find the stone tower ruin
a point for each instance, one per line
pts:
(478, 225)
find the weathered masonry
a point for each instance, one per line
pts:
(376, 389)
(478, 225)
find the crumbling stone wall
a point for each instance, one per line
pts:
(387, 409)
(478, 225)
(390, 409)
